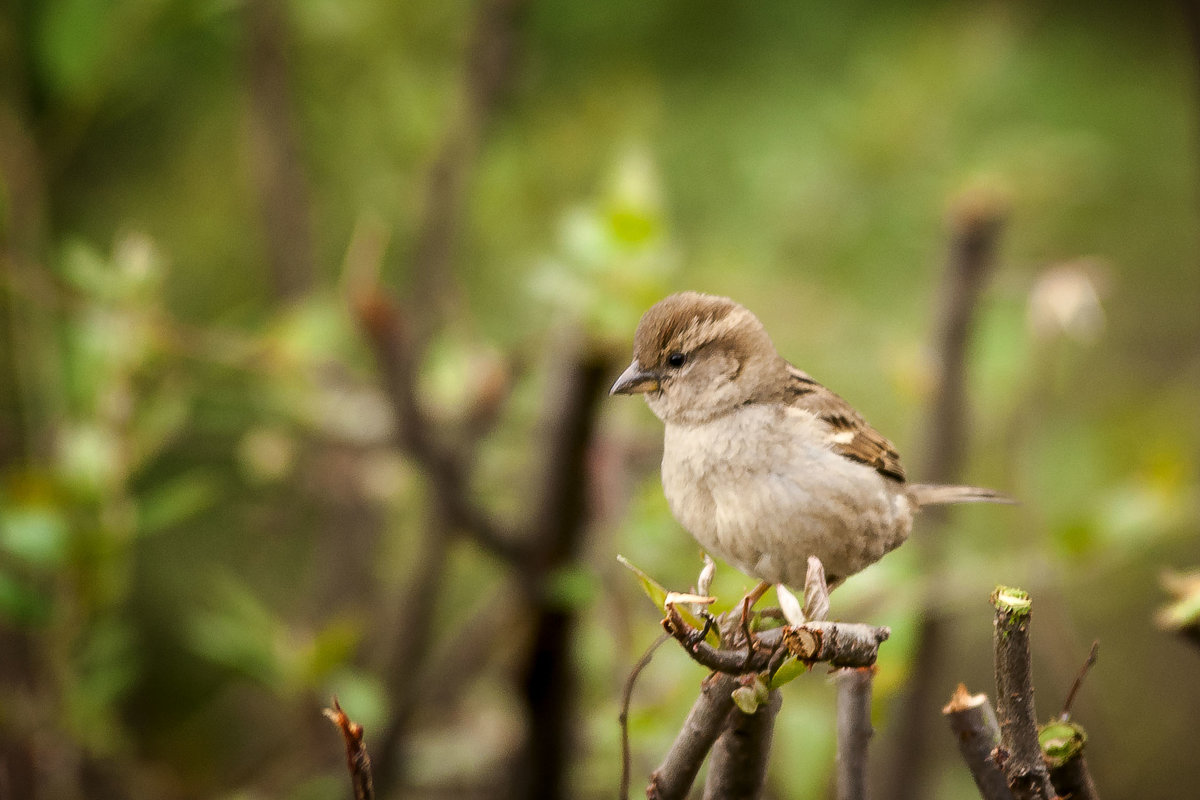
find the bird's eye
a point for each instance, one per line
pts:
(676, 359)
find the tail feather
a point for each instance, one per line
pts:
(935, 494)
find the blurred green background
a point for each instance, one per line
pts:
(208, 525)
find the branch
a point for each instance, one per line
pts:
(1022, 761)
(738, 767)
(674, 777)
(1078, 682)
(357, 759)
(414, 625)
(842, 644)
(276, 164)
(854, 731)
(1062, 746)
(392, 344)
(489, 68)
(976, 221)
(973, 723)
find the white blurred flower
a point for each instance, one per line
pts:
(1065, 301)
(267, 454)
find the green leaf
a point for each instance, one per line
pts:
(788, 671)
(571, 587)
(749, 698)
(241, 633)
(745, 699)
(176, 501)
(331, 648)
(22, 605)
(653, 589)
(658, 595)
(363, 695)
(38, 536)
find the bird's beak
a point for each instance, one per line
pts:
(635, 380)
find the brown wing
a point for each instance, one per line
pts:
(850, 434)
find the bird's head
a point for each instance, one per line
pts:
(697, 357)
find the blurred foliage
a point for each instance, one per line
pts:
(205, 527)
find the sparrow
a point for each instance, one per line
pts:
(762, 464)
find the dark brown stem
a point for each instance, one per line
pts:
(974, 725)
(276, 158)
(737, 769)
(1074, 780)
(976, 222)
(854, 731)
(548, 679)
(674, 777)
(1021, 754)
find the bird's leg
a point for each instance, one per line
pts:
(752, 597)
(747, 603)
(703, 586)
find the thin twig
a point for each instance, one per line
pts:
(357, 759)
(626, 696)
(974, 725)
(1083, 672)
(1027, 775)
(854, 731)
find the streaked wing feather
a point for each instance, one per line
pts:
(851, 436)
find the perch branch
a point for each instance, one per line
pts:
(839, 643)
(1027, 775)
(738, 766)
(974, 725)
(854, 731)
(673, 778)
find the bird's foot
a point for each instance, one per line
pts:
(695, 637)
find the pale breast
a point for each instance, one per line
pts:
(762, 490)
